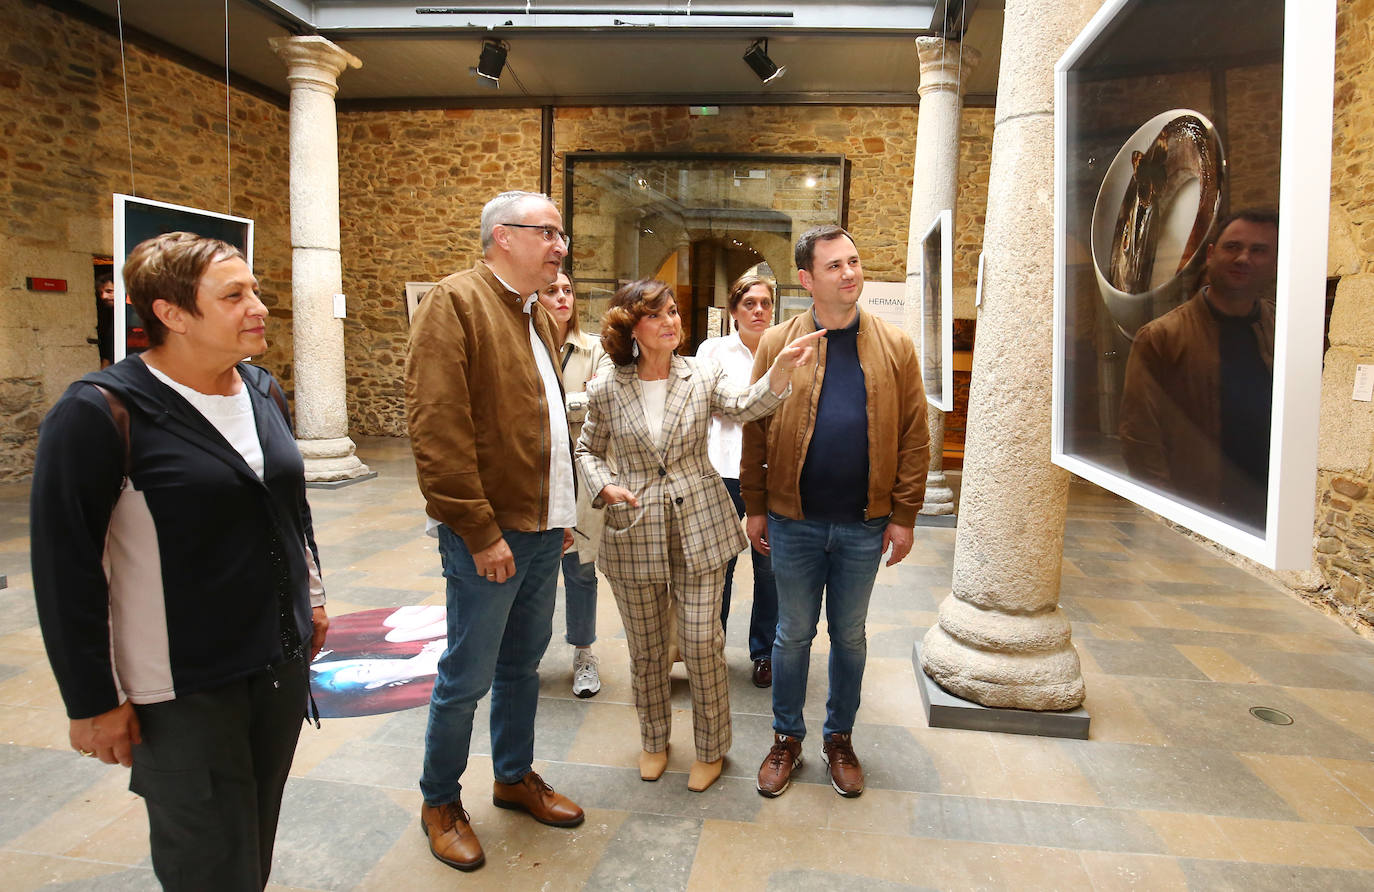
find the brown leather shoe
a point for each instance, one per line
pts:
(846, 775)
(450, 836)
(538, 798)
(775, 774)
(763, 673)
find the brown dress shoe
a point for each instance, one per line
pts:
(450, 836)
(846, 775)
(775, 774)
(538, 798)
(763, 673)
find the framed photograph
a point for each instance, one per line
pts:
(697, 220)
(415, 291)
(937, 311)
(1192, 188)
(137, 220)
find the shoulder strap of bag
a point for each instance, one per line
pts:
(121, 420)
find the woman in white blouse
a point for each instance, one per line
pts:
(751, 306)
(579, 353)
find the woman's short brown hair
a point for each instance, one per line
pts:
(169, 267)
(743, 284)
(629, 305)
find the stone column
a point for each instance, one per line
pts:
(313, 65)
(935, 187)
(1001, 639)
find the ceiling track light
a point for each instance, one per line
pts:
(492, 61)
(757, 58)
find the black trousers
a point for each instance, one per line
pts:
(211, 768)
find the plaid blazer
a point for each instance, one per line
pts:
(677, 481)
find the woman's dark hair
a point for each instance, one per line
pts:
(629, 305)
(169, 267)
(742, 286)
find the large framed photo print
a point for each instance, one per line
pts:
(137, 220)
(1192, 188)
(937, 311)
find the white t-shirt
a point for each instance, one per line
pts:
(727, 435)
(654, 396)
(232, 416)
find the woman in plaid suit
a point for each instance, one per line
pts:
(670, 524)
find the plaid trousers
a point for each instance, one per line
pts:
(701, 642)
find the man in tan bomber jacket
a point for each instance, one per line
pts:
(486, 415)
(830, 483)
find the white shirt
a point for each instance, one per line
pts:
(562, 491)
(727, 436)
(654, 396)
(232, 416)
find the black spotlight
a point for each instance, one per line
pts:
(764, 67)
(492, 61)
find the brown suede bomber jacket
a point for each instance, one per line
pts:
(898, 437)
(476, 408)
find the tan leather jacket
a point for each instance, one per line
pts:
(476, 408)
(1171, 403)
(898, 440)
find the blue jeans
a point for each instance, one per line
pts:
(841, 560)
(497, 634)
(579, 600)
(763, 618)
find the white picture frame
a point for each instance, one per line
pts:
(936, 300)
(1306, 48)
(415, 291)
(137, 219)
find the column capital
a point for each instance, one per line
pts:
(945, 65)
(312, 62)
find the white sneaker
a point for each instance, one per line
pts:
(586, 680)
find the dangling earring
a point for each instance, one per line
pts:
(634, 348)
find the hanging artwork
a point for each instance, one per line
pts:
(1192, 183)
(137, 220)
(937, 311)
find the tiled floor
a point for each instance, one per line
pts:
(1178, 787)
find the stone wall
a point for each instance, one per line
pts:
(1344, 577)
(412, 185)
(411, 189)
(65, 150)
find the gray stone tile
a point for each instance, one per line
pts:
(374, 596)
(38, 782)
(1235, 876)
(17, 610)
(372, 764)
(135, 879)
(802, 880)
(1240, 644)
(1032, 823)
(1263, 619)
(1115, 589)
(1292, 670)
(8, 671)
(1366, 832)
(331, 834)
(1214, 715)
(1176, 778)
(648, 852)
(405, 729)
(1144, 658)
(892, 643)
(892, 759)
(732, 798)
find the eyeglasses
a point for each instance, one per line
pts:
(550, 233)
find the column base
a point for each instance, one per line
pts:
(944, 710)
(332, 461)
(1046, 678)
(939, 496)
